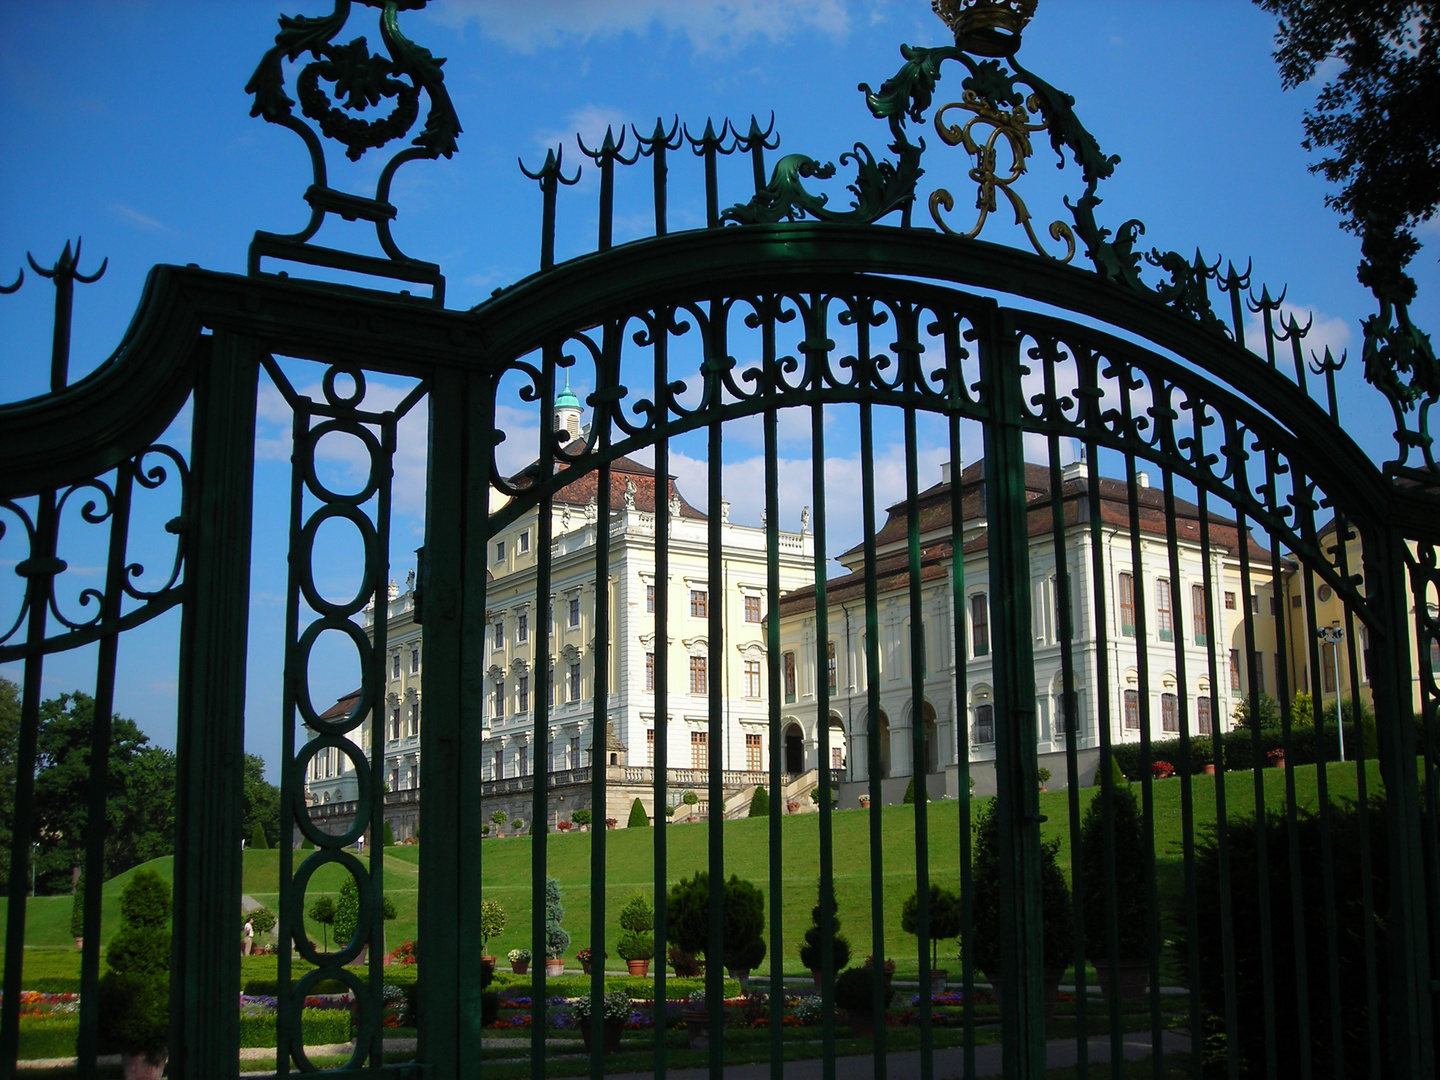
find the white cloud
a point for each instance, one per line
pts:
(710, 28)
(590, 123)
(1325, 331)
(133, 217)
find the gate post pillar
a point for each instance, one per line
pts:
(1018, 800)
(210, 733)
(451, 608)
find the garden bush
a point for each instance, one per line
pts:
(811, 954)
(855, 990)
(135, 992)
(1059, 925)
(638, 818)
(257, 839)
(1130, 888)
(688, 912)
(582, 817)
(944, 918)
(760, 803)
(1306, 860)
(556, 939)
(910, 792)
(320, 1027)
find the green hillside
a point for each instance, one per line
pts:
(505, 865)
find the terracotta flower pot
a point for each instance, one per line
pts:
(697, 1025)
(585, 967)
(520, 967)
(488, 960)
(938, 977)
(862, 1022)
(612, 1033)
(555, 966)
(1208, 770)
(1134, 978)
(640, 968)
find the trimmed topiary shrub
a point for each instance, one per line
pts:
(811, 953)
(257, 839)
(760, 803)
(387, 835)
(135, 992)
(1130, 887)
(263, 919)
(582, 817)
(855, 990)
(744, 925)
(637, 919)
(910, 793)
(556, 939)
(1059, 924)
(638, 818)
(77, 909)
(944, 918)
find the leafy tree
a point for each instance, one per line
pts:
(9, 740)
(638, 818)
(263, 919)
(257, 839)
(811, 954)
(322, 911)
(1268, 715)
(347, 912)
(492, 922)
(77, 908)
(944, 918)
(499, 817)
(760, 803)
(135, 992)
(556, 939)
(260, 803)
(140, 793)
(1376, 116)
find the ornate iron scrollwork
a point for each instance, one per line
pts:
(360, 80)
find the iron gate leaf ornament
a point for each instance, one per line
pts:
(359, 81)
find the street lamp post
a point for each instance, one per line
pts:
(1332, 636)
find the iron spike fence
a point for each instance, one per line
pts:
(1043, 600)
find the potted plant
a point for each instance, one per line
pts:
(1162, 770)
(793, 806)
(637, 943)
(1057, 910)
(492, 924)
(611, 822)
(1043, 775)
(685, 964)
(499, 817)
(855, 990)
(812, 953)
(581, 818)
(1128, 839)
(1277, 757)
(519, 961)
(696, 1013)
(585, 956)
(135, 992)
(615, 1009)
(556, 939)
(944, 924)
(864, 802)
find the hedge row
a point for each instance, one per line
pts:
(401, 975)
(579, 985)
(320, 1027)
(1239, 751)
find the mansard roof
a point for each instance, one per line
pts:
(584, 489)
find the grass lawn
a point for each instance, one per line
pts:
(52, 962)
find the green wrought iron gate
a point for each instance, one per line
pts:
(1043, 598)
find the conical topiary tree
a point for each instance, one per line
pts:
(760, 803)
(387, 835)
(556, 939)
(135, 992)
(638, 818)
(257, 839)
(811, 954)
(77, 909)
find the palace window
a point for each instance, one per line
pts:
(395, 666)
(524, 760)
(650, 599)
(650, 672)
(1200, 614)
(832, 670)
(499, 766)
(498, 636)
(1202, 714)
(1169, 713)
(984, 724)
(1235, 670)
(1127, 605)
(752, 678)
(575, 682)
(1132, 710)
(499, 697)
(753, 760)
(575, 752)
(1327, 667)
(395, 722)
(980, 624)
(523, 694)
(574, 611)
(650, 747)
(414, 661)
(699, 749)
(698, 682)
(522, 543)
(522, 627)
(699, 603)
(1260, 672)
(1164, 616)
(499, 550)
(752, 609)
(1229, 601)
(788, 664)
(413, 727)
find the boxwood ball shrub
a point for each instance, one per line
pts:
(637, 920)
(135, 992)
(855, 990)
(944, 918)
(811, 954)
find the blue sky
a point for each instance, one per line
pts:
(127, 124)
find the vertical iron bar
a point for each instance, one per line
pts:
(919, 762)
(608, 379)
(210, 731)
(662, 670)
(822, 698)
(955, 378)
(1022, 1021)
(772, 648)
(872, 691)
(95, 818)
(1065, 628)
(715, 808)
